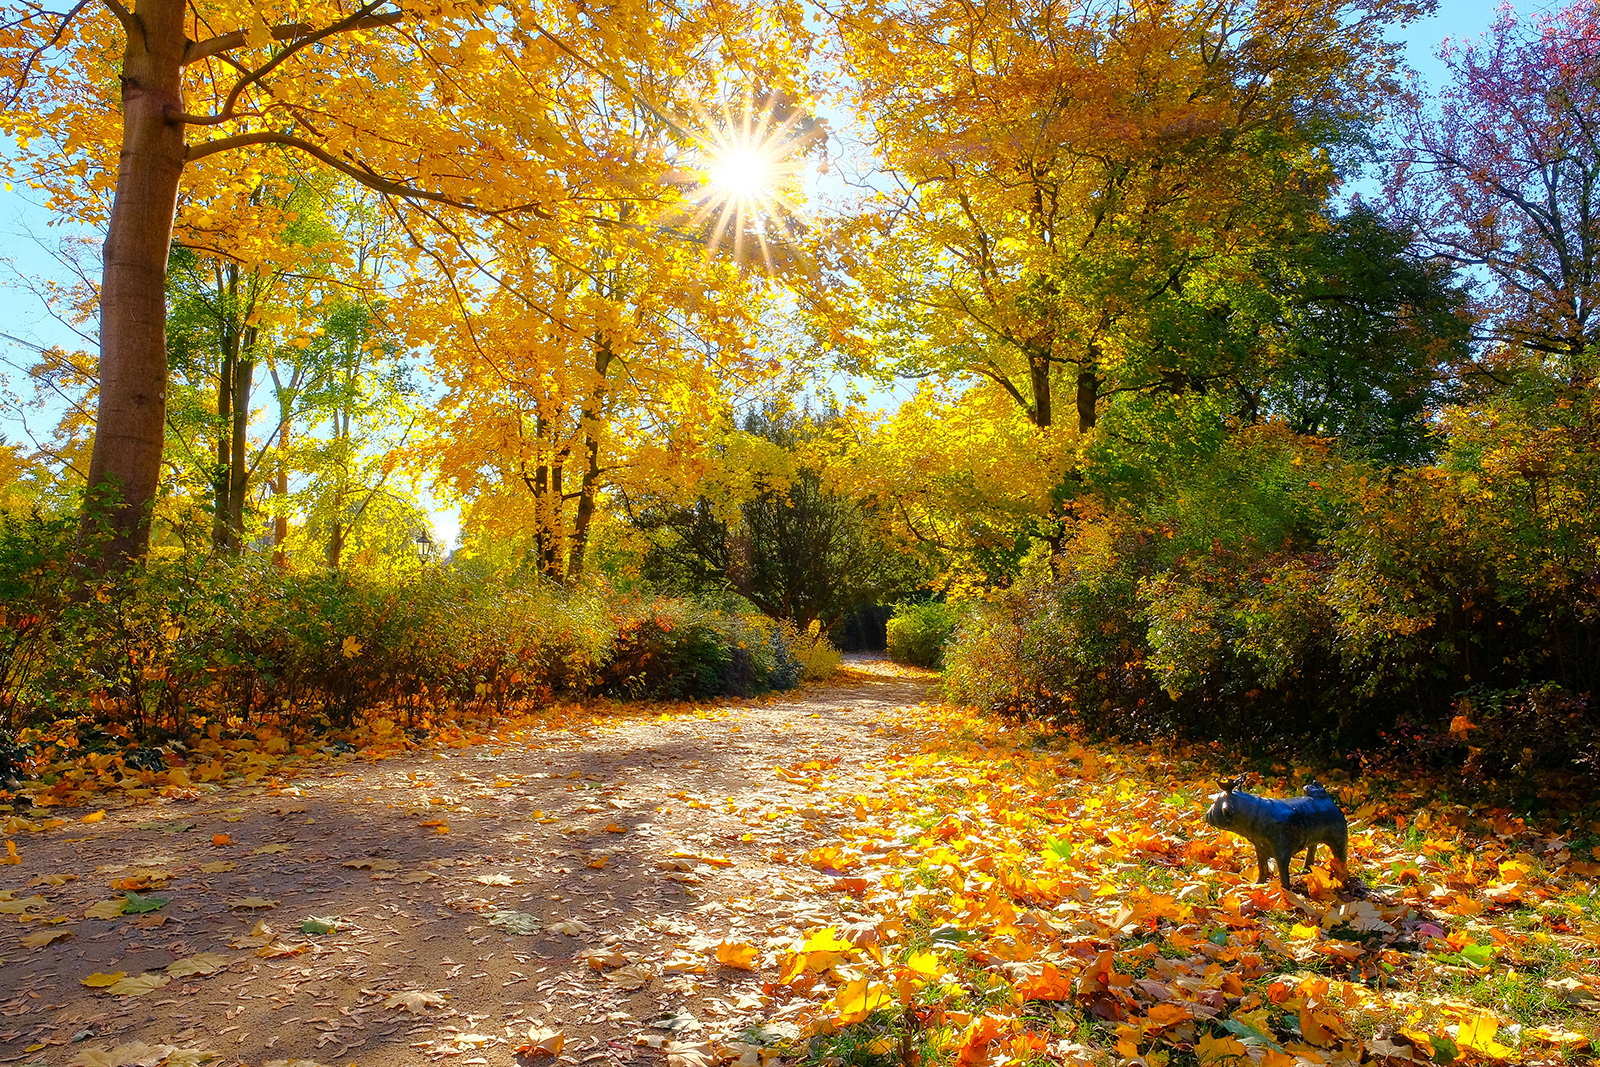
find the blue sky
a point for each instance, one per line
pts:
(26, 236)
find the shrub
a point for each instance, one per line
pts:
(814, 656)
(918, 632)
(177, 643)
(1332, 607)
(35, 586)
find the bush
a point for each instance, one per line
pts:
(179, 643)
(918, 632)
(1329, 607)
(813, 655)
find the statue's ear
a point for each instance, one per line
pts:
(1230, 784)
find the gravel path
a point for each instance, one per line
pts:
(576, 880)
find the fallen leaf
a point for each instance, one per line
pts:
(138, 985)
(18, 907)
(543, 1042)
(139, 1054)
(106, 909)
(633, 976)
(219, 867)
(414, 1001)
(737, 954)
(517, 922)
(202, 963)
(53, 879)
(248, 903)
(44, 937)
(134, 904)
(99, 980)
(219, 840)
(94, 816)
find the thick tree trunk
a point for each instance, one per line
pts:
(1039, 374)
(1088, 398)
(130, 419)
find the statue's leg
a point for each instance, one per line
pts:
(1311, 854)
(1262, 871)
(1283, 857)
(1338, 846)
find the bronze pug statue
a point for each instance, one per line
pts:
(1280, 828)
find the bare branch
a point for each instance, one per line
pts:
(34, 54)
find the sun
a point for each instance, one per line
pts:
(748, 162)
(742, 172)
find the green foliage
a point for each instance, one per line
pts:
(918, 632)
(203, 638)
(1273, 592)
(35, 587)
(788, 543)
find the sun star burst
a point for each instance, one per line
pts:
(749, 162)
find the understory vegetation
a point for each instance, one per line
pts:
(1280, 594)
(181, 642)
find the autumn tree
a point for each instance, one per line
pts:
(1499, 175)
(437, 103)
(231, 311)
(594, 355)
(1353, 336)
(1070, 185)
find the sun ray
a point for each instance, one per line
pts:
(748, 161)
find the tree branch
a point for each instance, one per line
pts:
(293, 31)
(365, 177)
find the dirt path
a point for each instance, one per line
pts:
(479, 881)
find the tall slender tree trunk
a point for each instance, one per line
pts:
(589, 483)
(130, 417)
(280, 504)
(335, 545)
(244, 370)
(583, 520)
(549, 509)
(341, 441)
(222, 476)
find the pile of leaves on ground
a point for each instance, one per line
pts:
(1019, 896)
(178, 649)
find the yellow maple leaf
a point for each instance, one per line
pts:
(106, 909)
(201, 963)
(1478, 1033)
(44, 937)
(737, 954)
(1214, 1051)
(138, 985)
(860, 998)
(100, 980)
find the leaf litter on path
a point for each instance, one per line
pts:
(938, 887)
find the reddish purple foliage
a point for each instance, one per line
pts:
(1501, 177)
